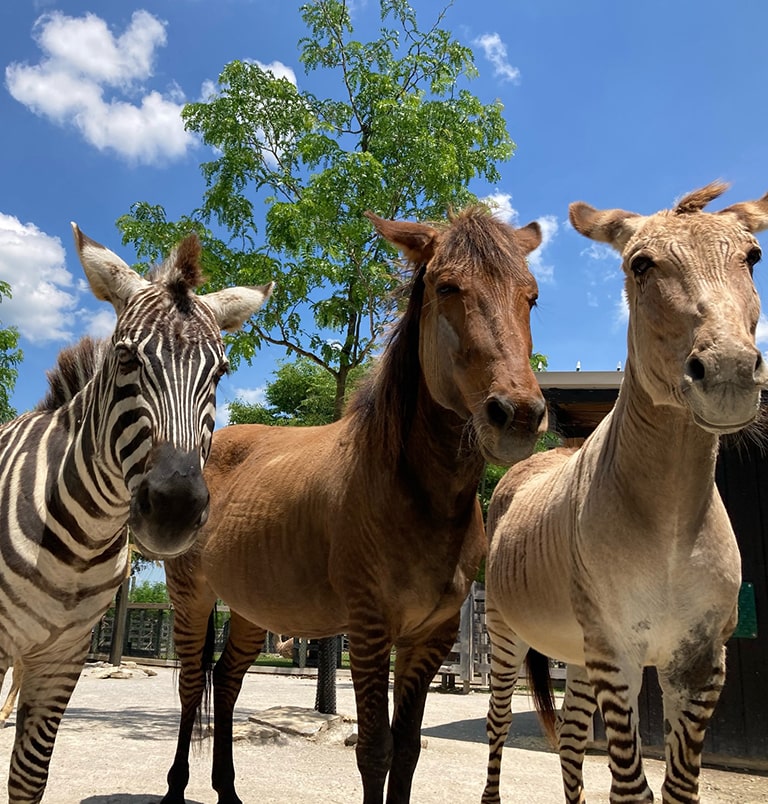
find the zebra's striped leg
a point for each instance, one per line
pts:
(192, 610)
(46, 688)
(507, 655)
(616, 688)
(415, 667)
(690, 696)
(573, 726)
(369, 654)
(244, 644)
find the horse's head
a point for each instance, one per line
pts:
(693, 307)
(474, 325)
(157, 386)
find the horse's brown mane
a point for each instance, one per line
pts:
(696, 201)
(75, 367)
(181, 272)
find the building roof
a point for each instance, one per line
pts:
(578, 400)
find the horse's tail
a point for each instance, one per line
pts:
(540, 685)
(206, 668)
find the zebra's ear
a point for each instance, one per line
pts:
(110, 278)
(232, 307)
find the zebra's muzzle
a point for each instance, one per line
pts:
(170, 503)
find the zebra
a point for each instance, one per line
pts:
(120, 440)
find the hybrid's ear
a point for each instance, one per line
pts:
(529, 237)
(612, 226)
(110, 278)
(753, 214)
(232, 307)
(415, 240)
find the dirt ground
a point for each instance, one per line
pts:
(118, 737)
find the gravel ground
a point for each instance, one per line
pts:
(117, 741)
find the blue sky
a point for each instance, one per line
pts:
(617, 104)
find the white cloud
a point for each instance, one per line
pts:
(278, 70)
(89, 78)
(621, 311)
(496, 52)
(251, 396)
(501, 204)
(543, 271)
(761, 336)
(44, 295)
(100, 324)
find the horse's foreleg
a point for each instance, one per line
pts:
(573, 728)
(507, 656)
(193, 637)
(244, 644)
(691, 691)
(369, 654)
(415, 667)
(46, 688)
(616, 685)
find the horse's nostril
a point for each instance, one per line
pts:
(696, 369)
(758, 362)
(498, 413)
(143, 500)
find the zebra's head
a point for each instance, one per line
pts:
(157, 386)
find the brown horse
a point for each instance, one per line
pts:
(370, 526)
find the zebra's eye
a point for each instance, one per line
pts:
(127, 358)
(221, 371)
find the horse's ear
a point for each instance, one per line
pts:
(529, 237)
(415, 240)
(110, 278)
(613, 226)
(232, 307)
(753, 214)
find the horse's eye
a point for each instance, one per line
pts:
(641, 264)
(754, 255)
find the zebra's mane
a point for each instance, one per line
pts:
(181, 272)
(74, 369)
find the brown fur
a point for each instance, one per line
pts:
(370, 526)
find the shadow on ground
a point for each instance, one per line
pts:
(525, 732)
(129, 798)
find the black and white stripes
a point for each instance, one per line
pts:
(121, 438)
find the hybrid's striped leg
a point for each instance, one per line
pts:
(507, 656)
(690, 696)
(415, 667)
(369, 652)
(244, 644)
(193, 642)
(573, 727)
(616, 689)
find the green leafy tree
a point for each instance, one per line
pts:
(10, 357)
(400, 135)
(147, 592)
(302, 393)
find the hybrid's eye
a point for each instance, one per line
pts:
(446, 289)
(754, 255)
(641, 264)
